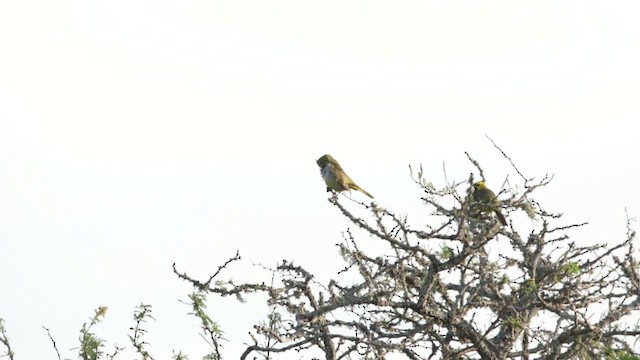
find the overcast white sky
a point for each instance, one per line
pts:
(135, 134)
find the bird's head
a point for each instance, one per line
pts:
(326, 159)
(479, 185)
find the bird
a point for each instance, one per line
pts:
(335, 178)
(484, 196)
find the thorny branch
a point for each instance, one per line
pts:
(463, 288)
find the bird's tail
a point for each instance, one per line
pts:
(356, 187)
(501, 218)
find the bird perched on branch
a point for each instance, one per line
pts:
(486, 200)
(335, 178)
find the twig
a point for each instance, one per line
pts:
(53, 342)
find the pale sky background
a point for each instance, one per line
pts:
(135, 134)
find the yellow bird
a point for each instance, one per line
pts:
(484, 196)
(335, 178)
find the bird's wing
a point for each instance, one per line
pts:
(494, 199)
(341, 177)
